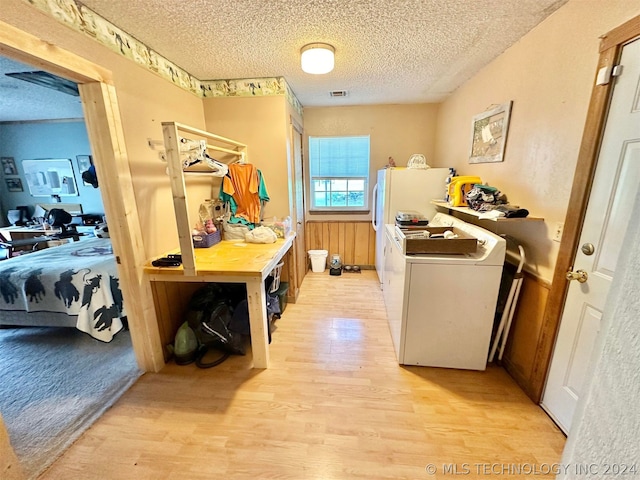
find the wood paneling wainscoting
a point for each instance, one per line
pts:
(522, 357)
(354, 241)
(171, 300)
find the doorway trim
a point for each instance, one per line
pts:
(299, 250)
(106, 137)
(610, 50)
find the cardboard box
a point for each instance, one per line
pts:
(464, 243)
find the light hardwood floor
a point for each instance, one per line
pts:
(334, 405)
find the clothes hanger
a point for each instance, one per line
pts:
(195, 151)
(219, 169)
(242, 160)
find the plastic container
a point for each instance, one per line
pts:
(318, 260)
(417, 160)
(411, 218)
(282, 227)
(206, 240)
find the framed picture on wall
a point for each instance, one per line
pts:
(50, 177)
(8, 166)
(84, 162)
(489, 134)
(14, 184)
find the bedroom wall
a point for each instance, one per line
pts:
(396, 131)
(34, 140)
(548, 74)
(145, 100)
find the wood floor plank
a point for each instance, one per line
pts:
(334, 404)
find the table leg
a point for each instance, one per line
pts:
(258, 322)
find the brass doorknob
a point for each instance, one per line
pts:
(588, 248)
(579, 275)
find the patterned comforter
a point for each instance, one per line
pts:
(78, 278)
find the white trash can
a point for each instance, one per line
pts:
(318, 260)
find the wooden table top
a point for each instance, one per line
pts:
(231, 258)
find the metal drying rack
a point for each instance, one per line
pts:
(502, 333)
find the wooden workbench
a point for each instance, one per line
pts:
(235, 262)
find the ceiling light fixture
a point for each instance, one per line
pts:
(317, 58)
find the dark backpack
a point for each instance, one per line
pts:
(209, 317)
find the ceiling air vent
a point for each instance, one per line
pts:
(338, 93)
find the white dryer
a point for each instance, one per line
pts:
(441, 308)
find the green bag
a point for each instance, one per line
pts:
(185, 348)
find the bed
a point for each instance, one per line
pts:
(75, 284)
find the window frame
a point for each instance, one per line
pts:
(346, 209)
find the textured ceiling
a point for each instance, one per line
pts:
(387, 51)
(20, 100)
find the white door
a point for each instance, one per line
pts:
(616, 183)
(378, 220)
(395, 267)
(301, 262)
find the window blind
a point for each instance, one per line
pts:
(339, 157)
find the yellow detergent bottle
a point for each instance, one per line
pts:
(458, 189)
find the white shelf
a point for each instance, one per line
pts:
(473, 213)
(172, 139)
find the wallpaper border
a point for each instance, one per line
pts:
(80, 18)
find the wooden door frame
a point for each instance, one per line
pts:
(611, 45)
(106, 137)
(296, 128)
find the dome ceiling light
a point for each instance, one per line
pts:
(317, 58)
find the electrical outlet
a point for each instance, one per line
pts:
(557, 233)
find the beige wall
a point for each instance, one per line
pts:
(549, 76)
(145, 101)
(259, 122)
(396, 131)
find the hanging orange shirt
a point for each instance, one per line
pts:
(242, 183)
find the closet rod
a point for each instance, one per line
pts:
(225, 150)
(202, 133)
(195, 173)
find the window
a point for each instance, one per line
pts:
(339, 173)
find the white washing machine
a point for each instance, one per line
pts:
(441, 308)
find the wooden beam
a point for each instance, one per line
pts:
(112, 167)
(202, 133)
(179, 192)
(26, 48)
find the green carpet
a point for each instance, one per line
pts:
(54, 383)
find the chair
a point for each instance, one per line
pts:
(13, 248)
(6, 248)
